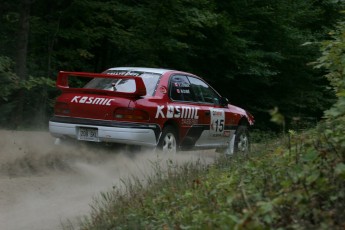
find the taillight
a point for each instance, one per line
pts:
(130, 114)
(61, 108)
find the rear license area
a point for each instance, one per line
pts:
(87, 134)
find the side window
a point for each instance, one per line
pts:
(180, 89)
(203, 92)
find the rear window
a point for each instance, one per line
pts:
(125, 85)
(119, 85)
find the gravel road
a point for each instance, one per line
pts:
(45, 186)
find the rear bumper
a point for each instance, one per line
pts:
(108, 131)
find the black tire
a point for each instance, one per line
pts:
(242, 140)
(239, 145)
(168, 141)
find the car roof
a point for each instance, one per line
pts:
(142, 69)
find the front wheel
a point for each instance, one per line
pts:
(242, 141)
(239, 143)
(168, 141)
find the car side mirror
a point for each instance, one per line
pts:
(224, 101)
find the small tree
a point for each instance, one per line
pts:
(333, 60)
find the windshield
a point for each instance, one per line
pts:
(125, 85)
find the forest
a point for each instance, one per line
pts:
(282, 60)
(259, 54)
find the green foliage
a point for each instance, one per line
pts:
(9, 85)
(249, 50)
(333, 60)
(8, 80)
(277, 117)
(298, 185)
(36, 91)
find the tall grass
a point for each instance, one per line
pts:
(138, 203)
(295, 182)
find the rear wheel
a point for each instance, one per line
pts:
(168, 141)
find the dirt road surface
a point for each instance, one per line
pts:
(44, 186)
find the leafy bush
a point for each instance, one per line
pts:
(295, 186)
(333, 60)
(8, 80)
(34, 91)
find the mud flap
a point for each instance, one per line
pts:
(228, 151)
(231, 146)
(57, 141)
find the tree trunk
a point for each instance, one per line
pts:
(22, 40)
(21, 57)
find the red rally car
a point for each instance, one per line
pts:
(168, 109)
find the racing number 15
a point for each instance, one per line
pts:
(217, 122)
(219, 125)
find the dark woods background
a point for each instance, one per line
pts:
(255, 52)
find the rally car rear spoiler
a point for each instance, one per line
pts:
(62, 84)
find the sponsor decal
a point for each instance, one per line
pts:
(182, 84)
(182, 90)
(123, 73)
(217, 122)
(184, 112)
(92, 100)
(217, 113)
(189, 122)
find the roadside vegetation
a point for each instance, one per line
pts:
(288, 183)
(296, 181)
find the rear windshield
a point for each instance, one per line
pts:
(125, 85)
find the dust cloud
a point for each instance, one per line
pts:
(43, 186)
